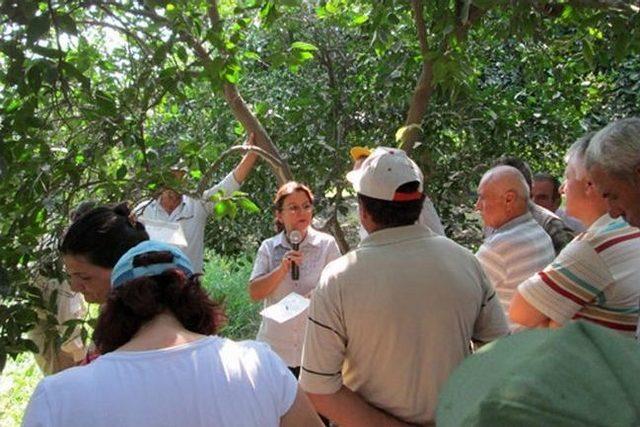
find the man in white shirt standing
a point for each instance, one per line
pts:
(192, 213)
(518, 247)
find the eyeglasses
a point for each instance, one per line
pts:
(294, 209)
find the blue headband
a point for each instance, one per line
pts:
(124, 271)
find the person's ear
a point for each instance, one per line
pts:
(510, 196)
(362, 212)
(590, 188)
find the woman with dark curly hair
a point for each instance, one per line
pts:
(161, 366)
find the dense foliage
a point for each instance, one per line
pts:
(98, 98)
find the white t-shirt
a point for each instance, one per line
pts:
(209, 382)
(192, 214)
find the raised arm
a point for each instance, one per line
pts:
(241, 171)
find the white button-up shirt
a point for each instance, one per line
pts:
(318, 250)
(192, 214)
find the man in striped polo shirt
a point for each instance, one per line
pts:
(596, 277)
(518, 247)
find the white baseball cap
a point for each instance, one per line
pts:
(383, 172)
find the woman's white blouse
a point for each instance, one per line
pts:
(318, 250)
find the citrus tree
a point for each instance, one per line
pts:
(99, 98)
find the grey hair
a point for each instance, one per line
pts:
(616, 147)
(577, 153)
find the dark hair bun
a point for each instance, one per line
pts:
(103, 235)
(122, 209)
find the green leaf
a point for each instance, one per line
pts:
(248, 205)
(268, 12)
(67, 24)
(359, 19)
(218, 196)
(304, 56)
(303, 46)
(11, 49)
(222, 208)
(251, 55)
(106, 104)
(182, 53)
(233, 209)
(48, 52)
(121, 172)
(38, 27)
(232, 73)
(160, 54)
(34, 76)
(72, 71)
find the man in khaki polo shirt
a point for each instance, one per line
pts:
(392, 319)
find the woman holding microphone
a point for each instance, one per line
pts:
(290, 261)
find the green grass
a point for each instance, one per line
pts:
(17, 382)
(225, 279)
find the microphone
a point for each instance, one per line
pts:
(295, 237)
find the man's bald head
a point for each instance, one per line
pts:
(503, 194)
(507, 178)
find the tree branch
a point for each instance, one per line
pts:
(117, 28)
(614, 5)
(424, 88)
(276, 164)
(239, 107)
(418, 18)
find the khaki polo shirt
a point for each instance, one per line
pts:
(393, 318)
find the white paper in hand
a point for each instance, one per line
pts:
(287, 308)
(165, 231)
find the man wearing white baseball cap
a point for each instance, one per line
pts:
(391, 320)
(428, 215)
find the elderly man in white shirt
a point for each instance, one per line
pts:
(518, 247)
(191, 213)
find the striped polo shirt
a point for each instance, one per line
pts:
(514, 252)
(596, 277)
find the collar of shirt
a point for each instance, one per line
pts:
(388, 236)
(310, 240)
(515, 222)
(183, 209)
(542, 212)
(603, 220)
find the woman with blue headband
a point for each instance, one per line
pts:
(161, 365)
